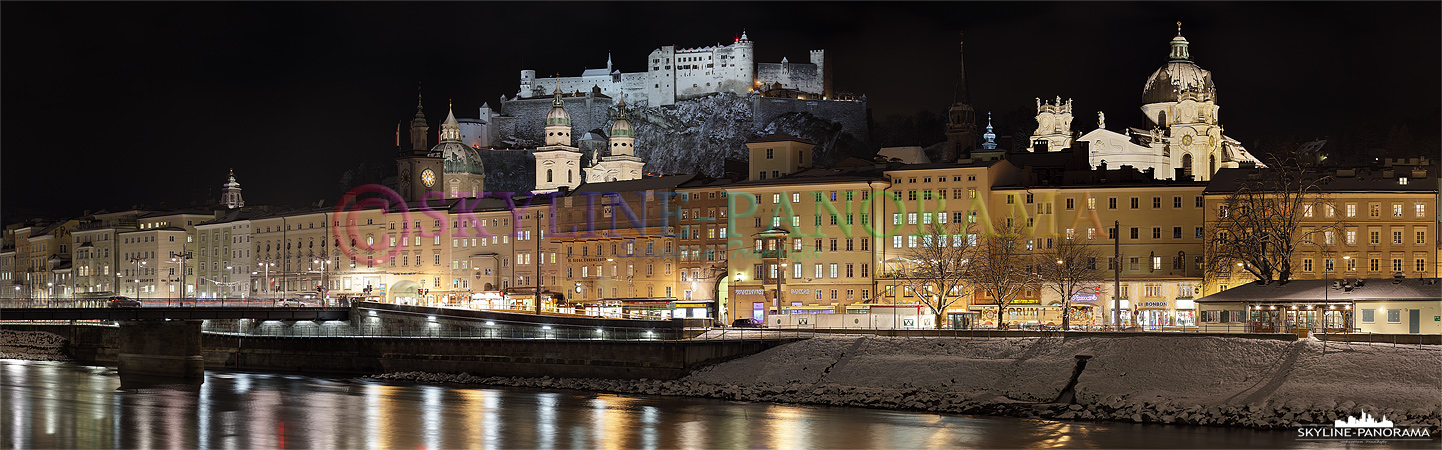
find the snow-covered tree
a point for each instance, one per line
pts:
(936, 269)
(1000, 267)
(1068, 268)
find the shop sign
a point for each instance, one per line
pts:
(800, 292)
(1152, 305)
(1083, 297)
(1026, 301)
(750, 292)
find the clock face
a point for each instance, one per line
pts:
(428, 177)
(406, 174)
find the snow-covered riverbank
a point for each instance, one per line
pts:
(1163, 378)
(32, 345)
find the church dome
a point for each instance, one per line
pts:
(558, 116)
(1178, 75)
(460, 159)
(622, 127)
(1175, 77)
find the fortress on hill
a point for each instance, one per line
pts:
(681, 73)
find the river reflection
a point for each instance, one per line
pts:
(63, 405)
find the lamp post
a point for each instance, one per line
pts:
(138, 265)
(179, 259)
(321, 287)
(264, 282)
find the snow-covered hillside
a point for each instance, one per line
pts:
(699, 134)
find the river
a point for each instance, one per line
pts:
(64, 405)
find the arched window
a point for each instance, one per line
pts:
(1211, 164)
(548, 175)
(1187, 164)
(568, 175)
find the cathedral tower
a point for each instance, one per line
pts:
(960, 118)
(230, 193)
(558, 163)
(622, 164)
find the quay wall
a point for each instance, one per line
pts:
(575, 358)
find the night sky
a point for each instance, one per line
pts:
(108, 105)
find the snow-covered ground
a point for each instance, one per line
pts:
(1163, 378)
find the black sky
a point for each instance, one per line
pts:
(106, 105)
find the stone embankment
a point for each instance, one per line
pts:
(32, 345)
(1197, 380)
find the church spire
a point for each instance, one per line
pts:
(419, 139)
(557, 102)
(988, 138)
(961, 95)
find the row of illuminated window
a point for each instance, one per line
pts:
(1374, 237)
(938, 179)
(818, 196)
(586, 271)
(1373, 264)
(835, 219)
(820, 244)
(819, 270)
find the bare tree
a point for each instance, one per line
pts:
(1068, 268)
(935, 270)
(1260, 223)
(1001, 267)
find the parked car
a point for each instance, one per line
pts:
(747, 323)
(120, 301)
(290, 302)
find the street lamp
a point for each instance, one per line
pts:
(265, 282)
(321, 288)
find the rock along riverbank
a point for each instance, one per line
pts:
(1175, 379)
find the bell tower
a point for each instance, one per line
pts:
(419, 170)
(960, 117)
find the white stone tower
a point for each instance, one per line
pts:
(230, 193)
(622, 164)
(557, 163)
(1053, 124)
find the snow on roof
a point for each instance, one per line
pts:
(1343, 290)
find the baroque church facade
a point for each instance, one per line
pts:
(456, 169)
(1184, 137)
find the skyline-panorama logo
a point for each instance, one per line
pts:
(1364, 429)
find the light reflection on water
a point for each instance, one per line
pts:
(63, 405)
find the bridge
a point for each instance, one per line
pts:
(177, 313)
(166, 309)
(162, 336)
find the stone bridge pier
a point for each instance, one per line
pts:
(165, 348)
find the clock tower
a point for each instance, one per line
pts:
(419, 170)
